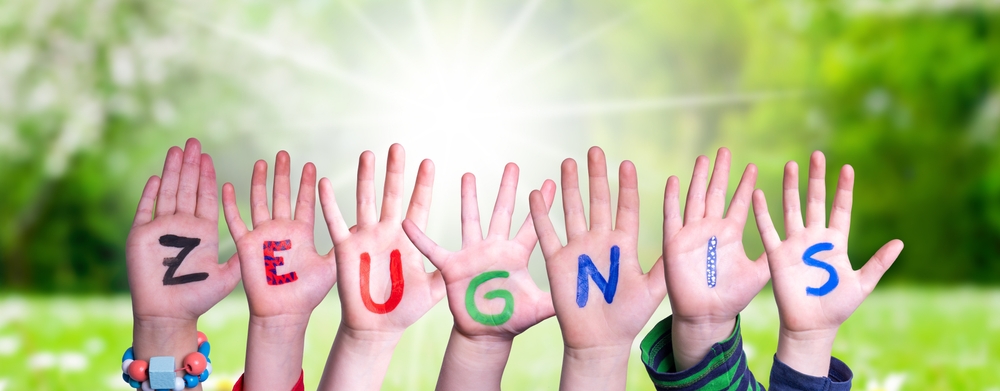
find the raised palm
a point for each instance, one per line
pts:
(282, 272)
(495, 264)
(172, 258)
(383, 285)
(596, 321)
(815, 287)
(709, 277)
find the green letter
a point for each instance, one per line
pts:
(470, 299)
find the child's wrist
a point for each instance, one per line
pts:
(806, 351)
(483, 345)
(692, 339)
(164, 336)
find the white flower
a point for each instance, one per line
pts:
(892, 382)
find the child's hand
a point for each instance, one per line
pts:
(283, 274)
(496, 258)
(814, 285)
(383, 285)
(709, 277)
(490, 292)
(172, 259)
(601, 296)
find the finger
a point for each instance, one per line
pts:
(187, 184)
(305, 204)
(816, 198)
(768, 235)
(656, 280)
(208, 193)
(873, 270)
(258, 194)
(763, 271)
(790, 200)
(437, 286)
(437, 255)
(366, 189)
(420, 200)
(504, 206)
(526, 234)
(281, 193)
(230, 273)
(600, 191)
(694, 207)
(166, 199)
(840, 215)
(740, 204)
(672, 221)
(472, 228)
(392, 192)
(576, 223)
(715, 198)
(547, 237)
(144, 212)
(331, 213)
(237, 228)
(627, 219)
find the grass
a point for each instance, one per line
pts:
(932, 338)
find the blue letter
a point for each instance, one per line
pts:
(588, 270)
(808, 259)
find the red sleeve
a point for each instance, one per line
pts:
(299, 386)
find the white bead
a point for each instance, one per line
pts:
(146, 387)
(125, 365)
(178, 384)
(208, 368)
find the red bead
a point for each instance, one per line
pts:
(195, 363)
(137, 370)
(201, 337)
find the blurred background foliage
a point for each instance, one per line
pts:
(93, 92)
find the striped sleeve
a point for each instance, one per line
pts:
(723, 368)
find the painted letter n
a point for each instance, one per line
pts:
(588, 271)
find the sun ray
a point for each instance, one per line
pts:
(561, 52)
(625, 106)
(263, 47)
(507, 40)
(426, 33)
(401, 60)
(462, 46)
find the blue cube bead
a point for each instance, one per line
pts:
(161, 373)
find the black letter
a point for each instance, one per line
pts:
(186, 244)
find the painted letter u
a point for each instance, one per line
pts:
(395, 275)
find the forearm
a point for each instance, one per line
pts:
(152, 337)
(692, 339)
(473, 363)
(807, 352)
(274, 352)
(358, 360)
(596, 368)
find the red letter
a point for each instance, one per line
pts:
(395, 275)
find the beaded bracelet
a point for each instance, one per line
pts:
(158, 373)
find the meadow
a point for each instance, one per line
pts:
(902, 338)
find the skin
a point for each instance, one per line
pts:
(704, 316)
(477, 353)
(278, 313)
(185, 201)
(597, 338)
(809, 324)
(365, 340)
